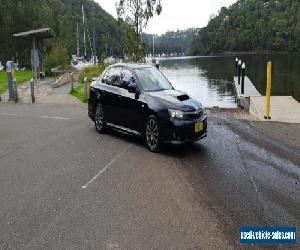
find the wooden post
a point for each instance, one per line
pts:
(236, 66)
(32, 90)
(268, 91)
(239, 71)
(15, 88)
(85, 88)
(72, 81)
(243, 78)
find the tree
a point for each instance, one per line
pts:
(60, 15)
(252, 25)
(137, 13)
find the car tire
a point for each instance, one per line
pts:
(152, 134)
(99, 118)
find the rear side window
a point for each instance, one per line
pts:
(113, 76)
(126, 77)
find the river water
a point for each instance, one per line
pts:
(210, 79)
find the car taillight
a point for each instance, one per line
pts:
(90, 90)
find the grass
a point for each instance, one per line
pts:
(90, 72)
(21, 76)
(78, 92)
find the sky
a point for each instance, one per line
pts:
(177, 14)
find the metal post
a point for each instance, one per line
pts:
(268, 91)
(32, 90)
(239, 71)
(236, 66)
(16, 91)
(85, 88)
(34, 57)
(72, 81)
(243, 78)
(9, 70)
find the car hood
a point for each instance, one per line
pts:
(175, 99)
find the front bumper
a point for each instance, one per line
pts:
(180, 131)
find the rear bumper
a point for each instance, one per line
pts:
(91, 109)
(181, 132)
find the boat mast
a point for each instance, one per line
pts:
(94, 37)
(77, 40)
(153, 48)
(84, 38)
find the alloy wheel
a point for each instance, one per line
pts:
(152, 134)
(99, 118)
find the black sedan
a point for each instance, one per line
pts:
(139, 100)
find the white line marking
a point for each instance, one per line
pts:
(55, 117)
(105, 168)
(9, 114)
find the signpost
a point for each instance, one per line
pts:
(10, 67)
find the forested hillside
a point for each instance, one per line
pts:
(179, 41)
(61, 16)
(252, 25)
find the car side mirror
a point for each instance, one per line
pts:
(132, 87)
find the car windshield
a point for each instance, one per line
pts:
(152, 79)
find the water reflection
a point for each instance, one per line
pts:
(193, 76)
(209, 79)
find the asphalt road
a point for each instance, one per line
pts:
(63, 186)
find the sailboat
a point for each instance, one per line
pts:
(81, 62)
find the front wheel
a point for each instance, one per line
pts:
(152, 134)
(99, 118)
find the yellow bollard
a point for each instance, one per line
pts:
(268, 91)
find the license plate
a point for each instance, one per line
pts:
(198, 127)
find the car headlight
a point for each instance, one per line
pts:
(176, 114)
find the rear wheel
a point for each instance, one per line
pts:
(99, 118)
(152, 134)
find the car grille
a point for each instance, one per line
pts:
(193, 115)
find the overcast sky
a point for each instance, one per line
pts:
(177, 14)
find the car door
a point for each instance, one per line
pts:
(132, 103)
(112, 89)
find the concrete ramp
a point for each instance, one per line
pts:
(283, 108)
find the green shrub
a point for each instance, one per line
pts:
(90, 72)
(58, 56)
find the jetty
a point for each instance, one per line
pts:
(243, 100)
(283, 108)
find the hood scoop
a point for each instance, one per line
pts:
(183, 98)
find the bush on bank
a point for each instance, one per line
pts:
(58, 56)
(90, 73)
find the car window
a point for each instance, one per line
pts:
(105, 74)
(113, 76)
(152, 79)
(126, 77)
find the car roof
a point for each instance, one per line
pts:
(132, 65)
